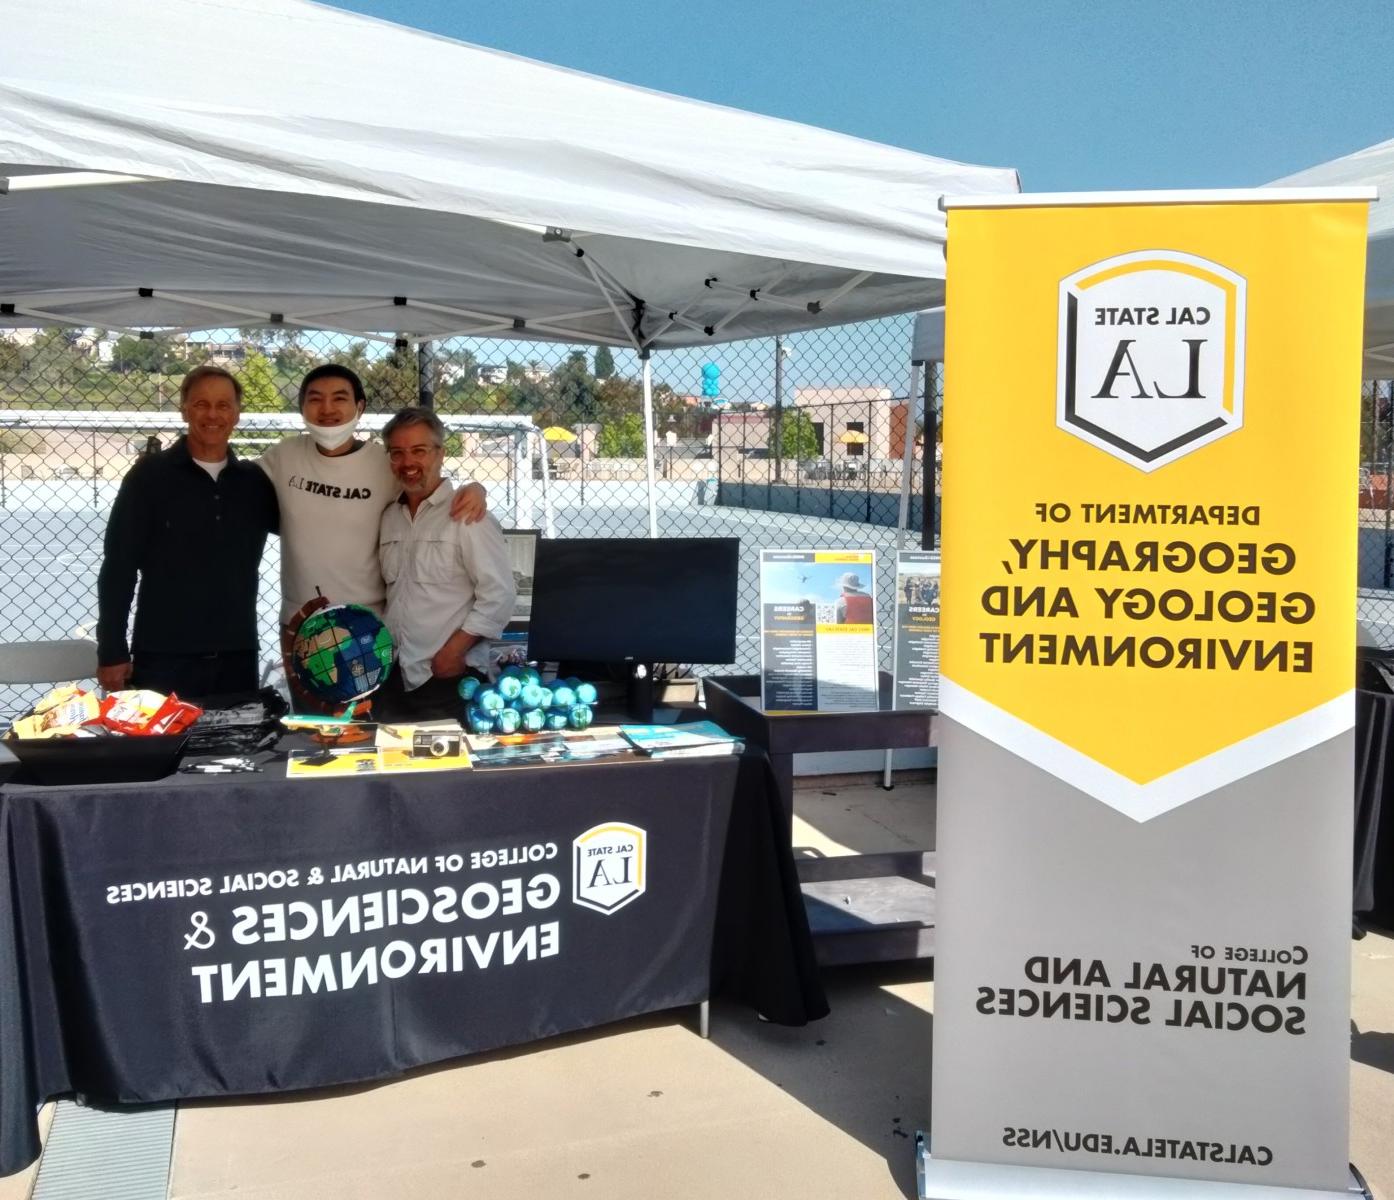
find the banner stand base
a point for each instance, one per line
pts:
(946, 1179)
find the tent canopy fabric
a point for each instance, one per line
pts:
(299, 162)
(1373, 165)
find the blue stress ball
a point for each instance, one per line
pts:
(489, 701)
(532, 675)
(531, 696)
(509, 686)
(563, 697)
(508, 721)
(533, 720)
(580, 716)
(469, 688)
(479, 721)
(586, 693)
(556, 720)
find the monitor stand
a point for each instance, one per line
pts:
(638, 694)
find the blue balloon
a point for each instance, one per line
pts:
(509, 686)
(534, 719)
(586, 693)
(508, 721)
(563, 697)
(580, 716)
(469, 687)
(489, 700)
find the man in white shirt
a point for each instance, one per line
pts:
(332, 490)
(449, 584)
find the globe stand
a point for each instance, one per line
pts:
(330, 736)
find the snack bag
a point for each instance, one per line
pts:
(59, 714)
(174, 716)
(130, 711)
(59, 695)
(144, 713)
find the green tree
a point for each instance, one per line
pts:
(604, 362)
(525, 397)
(11, 357)
(146, 355)
(259, 390)
(623, 438)
(391, 381)
(576, 388)
(797, 438)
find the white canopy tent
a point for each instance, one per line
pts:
(244, 162)
(1373, 165)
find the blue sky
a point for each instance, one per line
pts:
(1076, 95)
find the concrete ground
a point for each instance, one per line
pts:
(646, 1108)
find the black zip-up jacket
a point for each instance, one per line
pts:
(196, 544)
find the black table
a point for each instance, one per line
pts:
(734, 703)
(240, 934)
(862, 907)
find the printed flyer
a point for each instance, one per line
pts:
(818, 630)
(917, 629)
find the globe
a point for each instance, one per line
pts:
(342, 653)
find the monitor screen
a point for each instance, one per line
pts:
(637, 600)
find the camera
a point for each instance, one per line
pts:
(426, 744)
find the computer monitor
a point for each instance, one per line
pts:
(635, 601)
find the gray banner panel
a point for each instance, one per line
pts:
(1034, 873)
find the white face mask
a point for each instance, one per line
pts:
(331, 437)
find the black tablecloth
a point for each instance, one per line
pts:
(1374, 807)
(111, 989)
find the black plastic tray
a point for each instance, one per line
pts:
(68, 761)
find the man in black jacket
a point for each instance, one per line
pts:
(192, 521)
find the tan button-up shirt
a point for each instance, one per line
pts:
(441, 575)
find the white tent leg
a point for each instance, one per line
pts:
(907, 456)
(522, 481)
(546, 486)
(648, 441)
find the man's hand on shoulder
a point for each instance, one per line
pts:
(469, 503)
(114, 678)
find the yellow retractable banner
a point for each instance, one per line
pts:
(1151, 430)
(1149, 499)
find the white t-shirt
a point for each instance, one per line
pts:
(214, 469)
(331, 508)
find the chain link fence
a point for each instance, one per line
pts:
(799, 448)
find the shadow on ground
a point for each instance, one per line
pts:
(864, 1068)
(1372, 1048)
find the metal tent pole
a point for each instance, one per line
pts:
(648, 440)
(907, 453)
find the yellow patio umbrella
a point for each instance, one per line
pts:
(852, 437)
(555, 433)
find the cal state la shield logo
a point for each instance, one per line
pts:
(608, 867)
(1151, 363)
